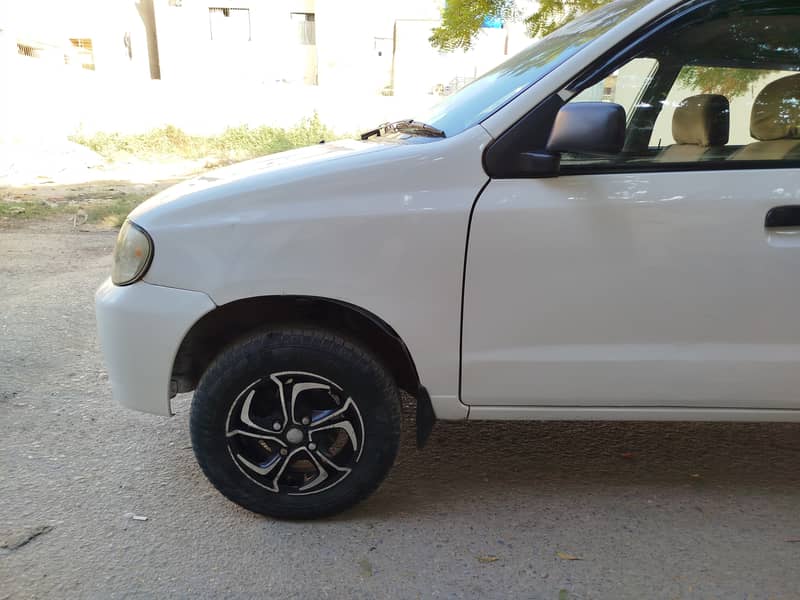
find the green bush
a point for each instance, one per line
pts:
(235, 143)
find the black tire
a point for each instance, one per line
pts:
(259, 374)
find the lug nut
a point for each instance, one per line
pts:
(312, 446)
(276, 426)
(306, 420)
(284, 452)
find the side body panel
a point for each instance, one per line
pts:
(633, 290)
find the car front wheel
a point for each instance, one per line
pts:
(298, 423)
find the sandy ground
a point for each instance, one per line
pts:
(651, 510)
(66, 185)
(72, 199)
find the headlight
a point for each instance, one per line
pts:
(132, 254)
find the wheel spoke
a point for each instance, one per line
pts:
(341, 419)
(345, 425)
(286, 461)
(331, 464)
(333, 416)
(258, 436)
(293, 383)
(322, 474)
(249, 428)
(284, 398)
(244, 416)
(264, 469)
(289, 390)
(299, 388)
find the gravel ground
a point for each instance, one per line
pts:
(489, 510)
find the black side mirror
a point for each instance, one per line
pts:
(588, 128)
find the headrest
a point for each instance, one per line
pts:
(702, 120)
(776, 111)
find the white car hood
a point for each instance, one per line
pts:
(258, 176)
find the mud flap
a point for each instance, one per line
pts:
(425, 417)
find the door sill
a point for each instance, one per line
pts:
(629, 413)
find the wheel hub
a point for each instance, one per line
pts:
(295, 433)
(294, 436)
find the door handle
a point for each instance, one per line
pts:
(783, 217)
(783, 226)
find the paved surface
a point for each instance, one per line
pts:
(652, 510)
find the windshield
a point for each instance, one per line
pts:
(473, 103)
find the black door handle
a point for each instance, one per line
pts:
(783, 217)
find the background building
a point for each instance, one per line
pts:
(203, 65)
(370, 45)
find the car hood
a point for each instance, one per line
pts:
(256, 177)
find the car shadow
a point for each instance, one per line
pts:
(474, 463)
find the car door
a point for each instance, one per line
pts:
(654, 278)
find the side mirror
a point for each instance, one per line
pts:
(588, 128)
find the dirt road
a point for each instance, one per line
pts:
(651, 510)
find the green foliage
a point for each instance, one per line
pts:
(462, 19)
(235, 143)
(552, 14)
(113, 213)
(25, 211)
(108, 213)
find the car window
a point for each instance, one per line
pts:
(723, 91)
(624, 86)
(741, 87)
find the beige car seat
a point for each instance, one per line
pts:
(775, 122)
(699, 125)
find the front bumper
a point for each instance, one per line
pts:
(141, 327)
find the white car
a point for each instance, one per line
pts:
(607, 226)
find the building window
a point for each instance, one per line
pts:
(82, 52)
(28, 50)
(306, 28)
(229, 24)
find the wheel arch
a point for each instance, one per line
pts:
(230, 322)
